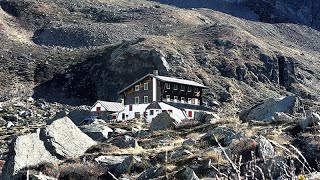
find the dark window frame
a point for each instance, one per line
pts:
(145, 98)
(146, 86)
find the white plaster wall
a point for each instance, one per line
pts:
(140, 108)
(155, 113)
(177, 112)
(93, 109)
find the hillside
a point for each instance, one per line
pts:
(56, 55)
(79, 51)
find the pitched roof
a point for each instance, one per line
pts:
(166, 79)
(190, 106)
(179, 81)
(154, 105)
(112, 106)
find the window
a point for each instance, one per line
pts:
(196, 90)
(151, 112)
(136, 88)
(189, 100)
(189, 88)
(168, 98)
(175, 98)
(167, 85)
(145, 99)
(146, 86)
(170, 110)
(182, 99)
(130, 107)
(136, 100)
(175, 86)
(183, 87)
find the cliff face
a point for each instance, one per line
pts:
(271, 11)
(286, 11)
(80, 51)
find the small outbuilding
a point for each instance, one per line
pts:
(106, 110)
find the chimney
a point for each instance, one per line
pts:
(155, 72)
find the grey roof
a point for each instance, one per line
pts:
(166, 79)
(112, 106)
(179, 81)
(190, 106)
(154, 105)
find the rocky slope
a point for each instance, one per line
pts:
(222, 147)
(79, 51)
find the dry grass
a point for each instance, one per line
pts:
(195, 136)
(215, 156)
(171, 167)
(75, 171)
(108, 149)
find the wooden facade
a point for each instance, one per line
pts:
(178, 93)
(131, 93)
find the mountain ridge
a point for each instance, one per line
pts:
(79, 51)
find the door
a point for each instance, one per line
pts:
(190, 114)
(137, 115)
(98, 109)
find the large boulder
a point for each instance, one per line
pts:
(125, 142)
(65, 139)
(118, 164)
(59, 140)
(265, 111)
(163, 121)
(98, 132)
(25, 151)
(79, 114)
(206, 117)
(111, 162)
(223, 134)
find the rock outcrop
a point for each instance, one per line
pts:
(265, 111)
